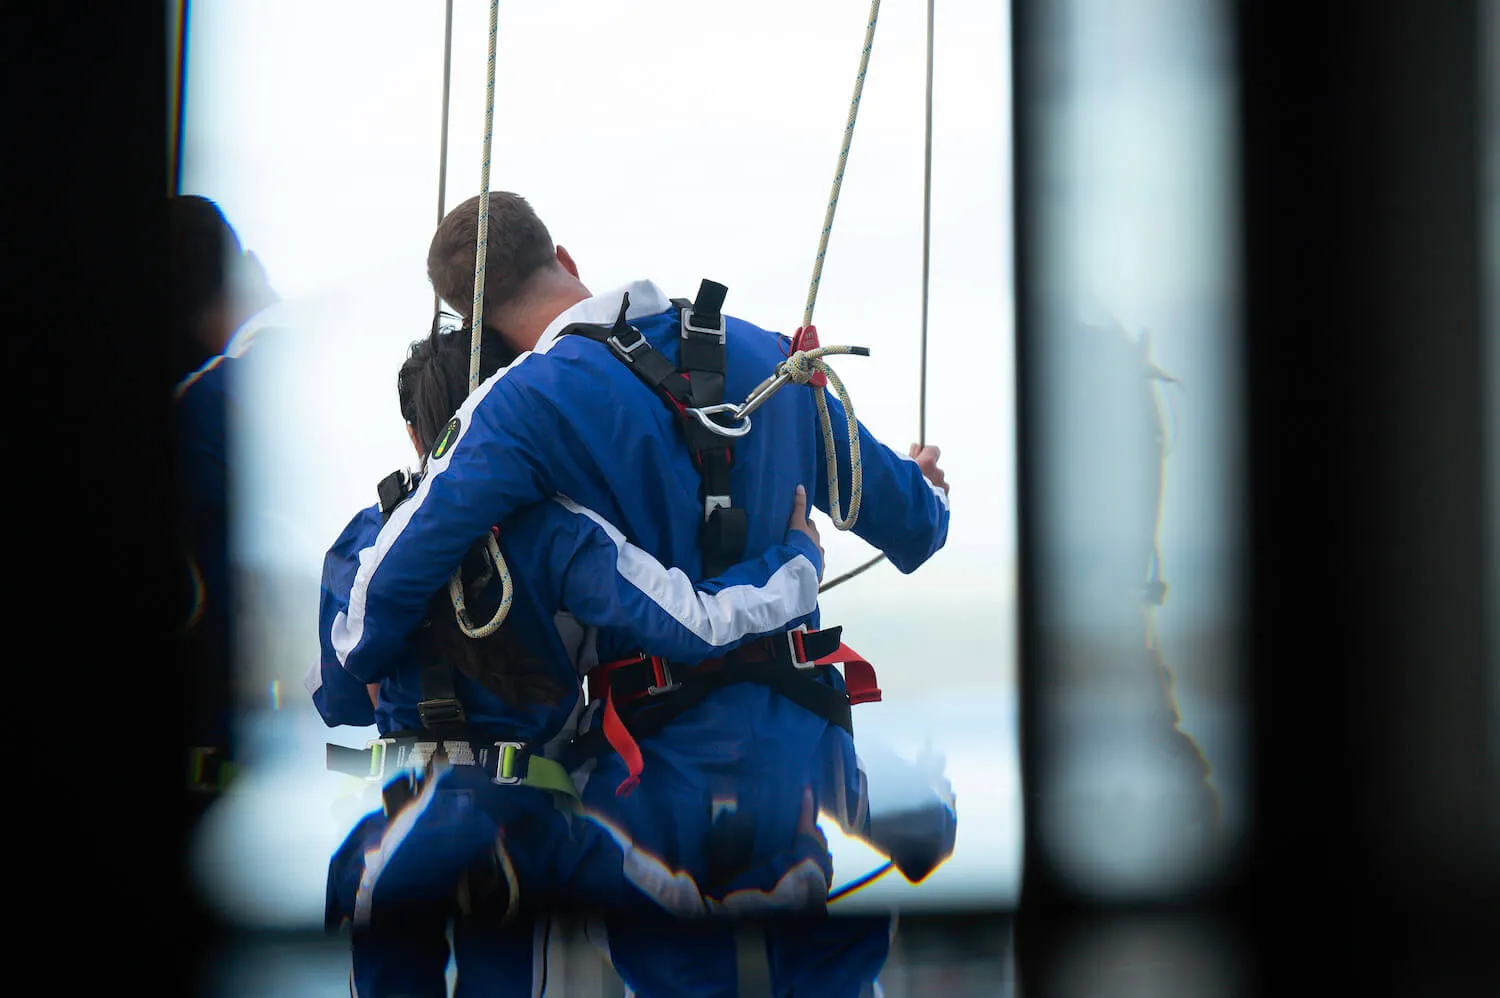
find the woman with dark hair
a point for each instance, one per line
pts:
(450, 840)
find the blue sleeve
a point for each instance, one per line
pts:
(490, 462)
(901, 513)
(607, 582)
(339, 697)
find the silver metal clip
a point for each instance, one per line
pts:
(380, 751)
(711, 503)
(704, 413)
(501, 777)
(762, 393)
(624, 351)
(668, 686)
(688, 327)
(791, 644)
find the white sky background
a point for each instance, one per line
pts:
(315, 125)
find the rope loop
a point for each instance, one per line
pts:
(455, 584)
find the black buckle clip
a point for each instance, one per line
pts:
(664, 681)
(435, 713)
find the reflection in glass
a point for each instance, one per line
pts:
(1137, 451)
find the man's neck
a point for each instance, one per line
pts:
(522, 324)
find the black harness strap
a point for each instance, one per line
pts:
(697, 383)
(650, 716)
(393, 490)
(441, 712)
(784, 663)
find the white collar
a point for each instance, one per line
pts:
(645, 299)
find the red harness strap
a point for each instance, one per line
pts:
(859, 682)
(620, 740)
(615, 732)
(859, 675)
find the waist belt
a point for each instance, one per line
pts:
(508, 763)
(650, 694)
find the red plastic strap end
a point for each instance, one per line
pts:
(859, 680)
(621, 741)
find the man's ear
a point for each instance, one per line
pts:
(564, 258)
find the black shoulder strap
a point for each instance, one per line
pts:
(627, 343)
(722, 537)
(702, 355)
(699, 382)
(442, 715)
(393, 490)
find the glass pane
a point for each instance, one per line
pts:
(1136, 441)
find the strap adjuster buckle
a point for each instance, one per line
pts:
(440, 712)
(688, 326)
(624, 352)
(379, 749)
(505, 763)
(711, 503)
(664, 681)
(798, 649)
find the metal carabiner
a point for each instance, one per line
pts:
(741, 413)
(762, 393)
(703, 414)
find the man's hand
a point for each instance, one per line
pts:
(799, 521)
(927, 460)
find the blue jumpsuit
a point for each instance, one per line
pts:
(201, 412)
(570, 418)
(204, 420)
(402, 871)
